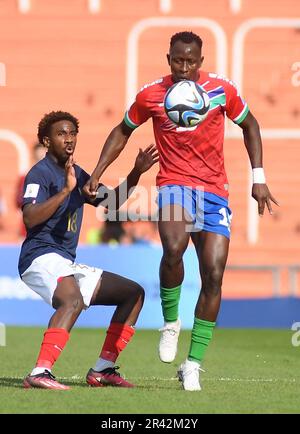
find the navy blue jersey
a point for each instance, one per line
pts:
(60, 233)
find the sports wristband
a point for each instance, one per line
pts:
(258, 175)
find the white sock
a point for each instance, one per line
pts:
(103, 364)
(39, 370)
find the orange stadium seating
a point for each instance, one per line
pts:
(60, 55)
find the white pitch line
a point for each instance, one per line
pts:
(254, 380)
(246, 380)
(226, 379)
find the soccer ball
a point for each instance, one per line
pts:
(186, 104)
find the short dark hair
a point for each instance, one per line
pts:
(187, 38)
(50, 118)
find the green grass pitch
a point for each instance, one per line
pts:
(247, 371)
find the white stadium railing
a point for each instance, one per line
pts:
(21, 147)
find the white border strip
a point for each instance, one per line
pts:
(2, 74)
(24, 6)
(235, 6)
(165, 6)
(94, 6)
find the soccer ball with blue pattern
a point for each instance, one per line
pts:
(186, 104)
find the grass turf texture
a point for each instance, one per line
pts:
(247, 371)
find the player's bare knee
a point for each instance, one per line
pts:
(212, 281)
(71, 304)
(139, 292)
(173, 254)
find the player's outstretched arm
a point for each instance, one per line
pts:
(143, 162)
(37, 213)
(253, 143)
(113, 146)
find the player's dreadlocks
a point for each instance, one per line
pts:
(187, 38)
(52, 117)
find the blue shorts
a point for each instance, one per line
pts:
(207, 211)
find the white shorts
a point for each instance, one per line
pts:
(43, 273)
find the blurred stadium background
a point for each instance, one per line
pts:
(90, 57)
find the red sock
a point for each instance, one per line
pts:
(117, 337)
(53, 343)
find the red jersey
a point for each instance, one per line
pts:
(190, 156)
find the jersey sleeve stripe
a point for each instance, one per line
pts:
(216, 92)
(242, 115)
(129, 122)
(217, 100)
